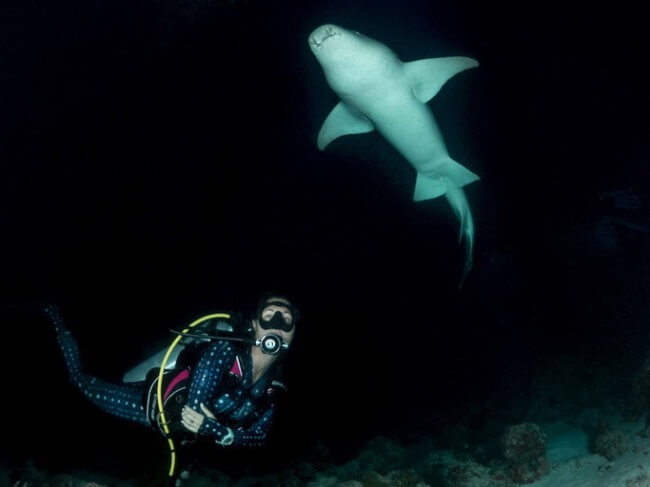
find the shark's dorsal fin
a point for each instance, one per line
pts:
(342, 120)
(428, 75)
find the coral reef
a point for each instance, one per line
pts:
(31, 476)
(446, 469)
(522, 459)
(381, 463)
(609, 443)
(403, 478)
(524, 450)
(523, 443)
(468, 475)
(379, 455)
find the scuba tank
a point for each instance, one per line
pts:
(220, 326)
(208, 329)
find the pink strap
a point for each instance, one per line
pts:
(236, 368)
(182, 376)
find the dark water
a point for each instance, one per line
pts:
(159, 162)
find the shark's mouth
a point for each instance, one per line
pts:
(321, 36)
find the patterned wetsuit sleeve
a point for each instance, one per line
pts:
(253, 436)
(256, 434)
(206, 384)
(209, 373)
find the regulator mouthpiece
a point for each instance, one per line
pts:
(271, 344)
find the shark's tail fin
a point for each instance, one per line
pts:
(458, 202)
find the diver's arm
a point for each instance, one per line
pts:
(256, 434)
(209, 373)
(224, 436)
(206, 424)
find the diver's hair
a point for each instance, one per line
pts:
(269, 295)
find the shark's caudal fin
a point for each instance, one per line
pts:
(458, 202)
(428, 75)
(342, 120)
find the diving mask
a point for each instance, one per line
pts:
(279, 320)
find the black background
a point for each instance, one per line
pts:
(158, 162)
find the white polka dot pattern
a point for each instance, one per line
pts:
(122, 400)
(240, 420)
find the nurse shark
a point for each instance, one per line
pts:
(380, 92)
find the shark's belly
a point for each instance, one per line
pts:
(410, 127)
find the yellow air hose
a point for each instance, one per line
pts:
(161, 409)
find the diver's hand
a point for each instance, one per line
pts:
(193, 420)
(207, 412)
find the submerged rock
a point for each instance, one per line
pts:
(610, 443)
(524, 450)
(401, 478)
(469, 475)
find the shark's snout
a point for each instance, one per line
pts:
(321, 34)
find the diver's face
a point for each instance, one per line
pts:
(269, 313)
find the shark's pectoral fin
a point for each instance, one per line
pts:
(428, 75)
(342, 120)
(458, 202)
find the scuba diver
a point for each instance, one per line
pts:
(220, 388)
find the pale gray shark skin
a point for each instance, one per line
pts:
(380, 92)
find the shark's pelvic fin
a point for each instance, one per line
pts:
(428, 75)
(458, 202)
(432, 184)
(429, 188)
(342, 120)
(458, 175)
